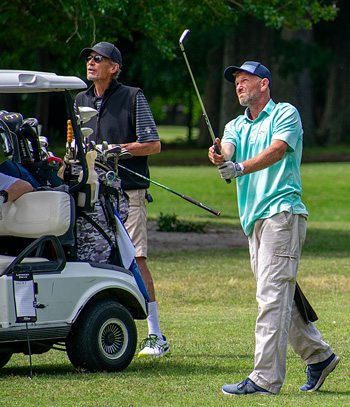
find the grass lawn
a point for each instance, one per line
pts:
(208, 310)
(176, 134)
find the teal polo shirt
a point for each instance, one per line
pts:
(277, 188)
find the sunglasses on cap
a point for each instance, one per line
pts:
(96, 58)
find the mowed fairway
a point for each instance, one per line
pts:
(207, 309)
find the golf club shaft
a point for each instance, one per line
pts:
(210, 128)
(186, 198)
(211, 131)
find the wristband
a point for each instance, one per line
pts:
(5, 195)
(239, 167)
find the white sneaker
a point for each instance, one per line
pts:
(154, 347)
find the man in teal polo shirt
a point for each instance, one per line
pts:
(262, 149)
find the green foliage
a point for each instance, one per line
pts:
(170, 223)
(85, 22)
(47, 35)
(290, 14)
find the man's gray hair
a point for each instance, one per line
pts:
(115, 75)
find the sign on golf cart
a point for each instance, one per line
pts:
(50, 298)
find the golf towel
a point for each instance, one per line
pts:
(127, 253)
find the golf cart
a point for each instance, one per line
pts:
(51, 298)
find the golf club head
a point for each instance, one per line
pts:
(183, 36)
(115, 149)
(124, 154)
(85, 113)
(92, 146)
(86, 131)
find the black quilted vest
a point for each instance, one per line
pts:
(116, 124)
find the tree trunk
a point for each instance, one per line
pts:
(230, 107)
(297, 89)
(335, 118)
(211, 99)
(238, 48)
(42, 107)
(243, 47)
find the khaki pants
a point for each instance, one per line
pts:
(136, 224)
(275, 249)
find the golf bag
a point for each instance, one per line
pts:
(96, 229)
(23, 152)
(25, 155)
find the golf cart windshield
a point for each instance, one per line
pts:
(15, 81)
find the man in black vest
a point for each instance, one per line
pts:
(125, 118)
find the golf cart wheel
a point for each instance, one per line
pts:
(103, 338)
(4, 358)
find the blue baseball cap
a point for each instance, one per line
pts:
(255, 68)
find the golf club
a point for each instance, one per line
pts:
(186, 198)
(85, 114)
(211, 131)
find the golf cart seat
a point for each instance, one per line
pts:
(36, 214)
(48, 217)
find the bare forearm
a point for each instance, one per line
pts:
(142, 149)
(17, 189)
(266, 158)
(227, 150)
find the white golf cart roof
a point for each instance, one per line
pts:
(17, 81)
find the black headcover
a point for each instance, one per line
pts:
(12, 120)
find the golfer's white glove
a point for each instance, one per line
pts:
(229, 169)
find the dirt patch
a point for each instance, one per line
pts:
(215, 238)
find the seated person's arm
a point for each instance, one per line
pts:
(12, 188)
(17, 189)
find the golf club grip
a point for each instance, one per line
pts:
(207, 208)
(217, 150)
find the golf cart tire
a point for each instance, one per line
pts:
(103, 338)
(4, 358)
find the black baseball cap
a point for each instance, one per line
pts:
(255, 68)
(106, 49)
